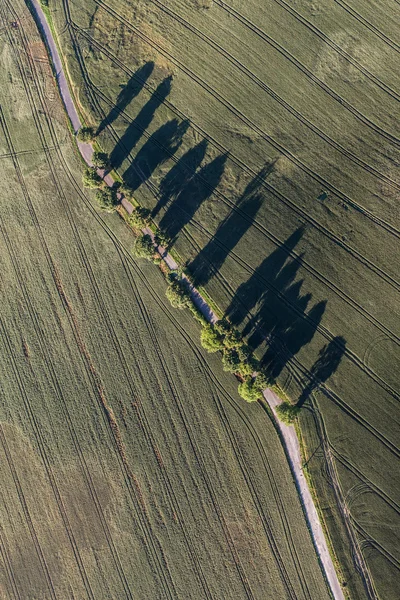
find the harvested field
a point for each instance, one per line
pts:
(130, 468)
(265, 137)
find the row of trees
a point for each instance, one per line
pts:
(237, 356)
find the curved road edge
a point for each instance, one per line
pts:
(288, 433)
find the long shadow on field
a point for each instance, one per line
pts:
(191, 196)
(126, 95)
(134, 131)
(276, 310)
(230, 231)
(327, 363)
(179, 176)
(160, 146)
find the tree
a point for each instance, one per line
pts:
(287, 412)
(144, 247)
(101, 160)
(107, 199)
(232, 339)
(162, 239)
(252, 388)
(140, 217)
(91, 179)
(248, 391)
(230, 360)
(223, 326)
(178, 294)
(86, 134)
(210, 339)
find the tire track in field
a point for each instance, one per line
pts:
(375, 544)
(309, 74)
(356, 15)
(262, 85)
(47, 465)
(333, 478)
(28, 518)
(278, 195)
(53, 376)
(31, 309)
(364, 479)
(329, 42)
(253, 126)
(8, 567)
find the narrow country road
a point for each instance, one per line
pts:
(288, 433)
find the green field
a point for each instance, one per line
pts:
(129, 466)
(265, 137)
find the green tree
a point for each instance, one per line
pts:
(162, 239)
(230, 360)
(91, 179)
(107, 199)
(143, 247)
(211, 339)
(252, 387)
(178, 294)
(287, 412)
(101, 160)
(86, 134)
(140, 217)
(232, 339)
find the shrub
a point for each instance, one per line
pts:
(210, 339)
(107, 199)
(177, 293)
(86, 134)
(287, 412)
(100, 160)
(139, 218)
(91, 179)
(144, 247)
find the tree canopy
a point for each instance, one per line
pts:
(91, 179)
(86, 134)
(144, 247)
(107, 199)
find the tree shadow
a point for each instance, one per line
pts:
(229, 233)
(126, 95)
(180, 174)
(140, 123)
(329, 359)
(198, 188)
(160, 146)
(253, 290)
(282, 318)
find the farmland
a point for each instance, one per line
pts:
(129, 467)
(264, 136)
